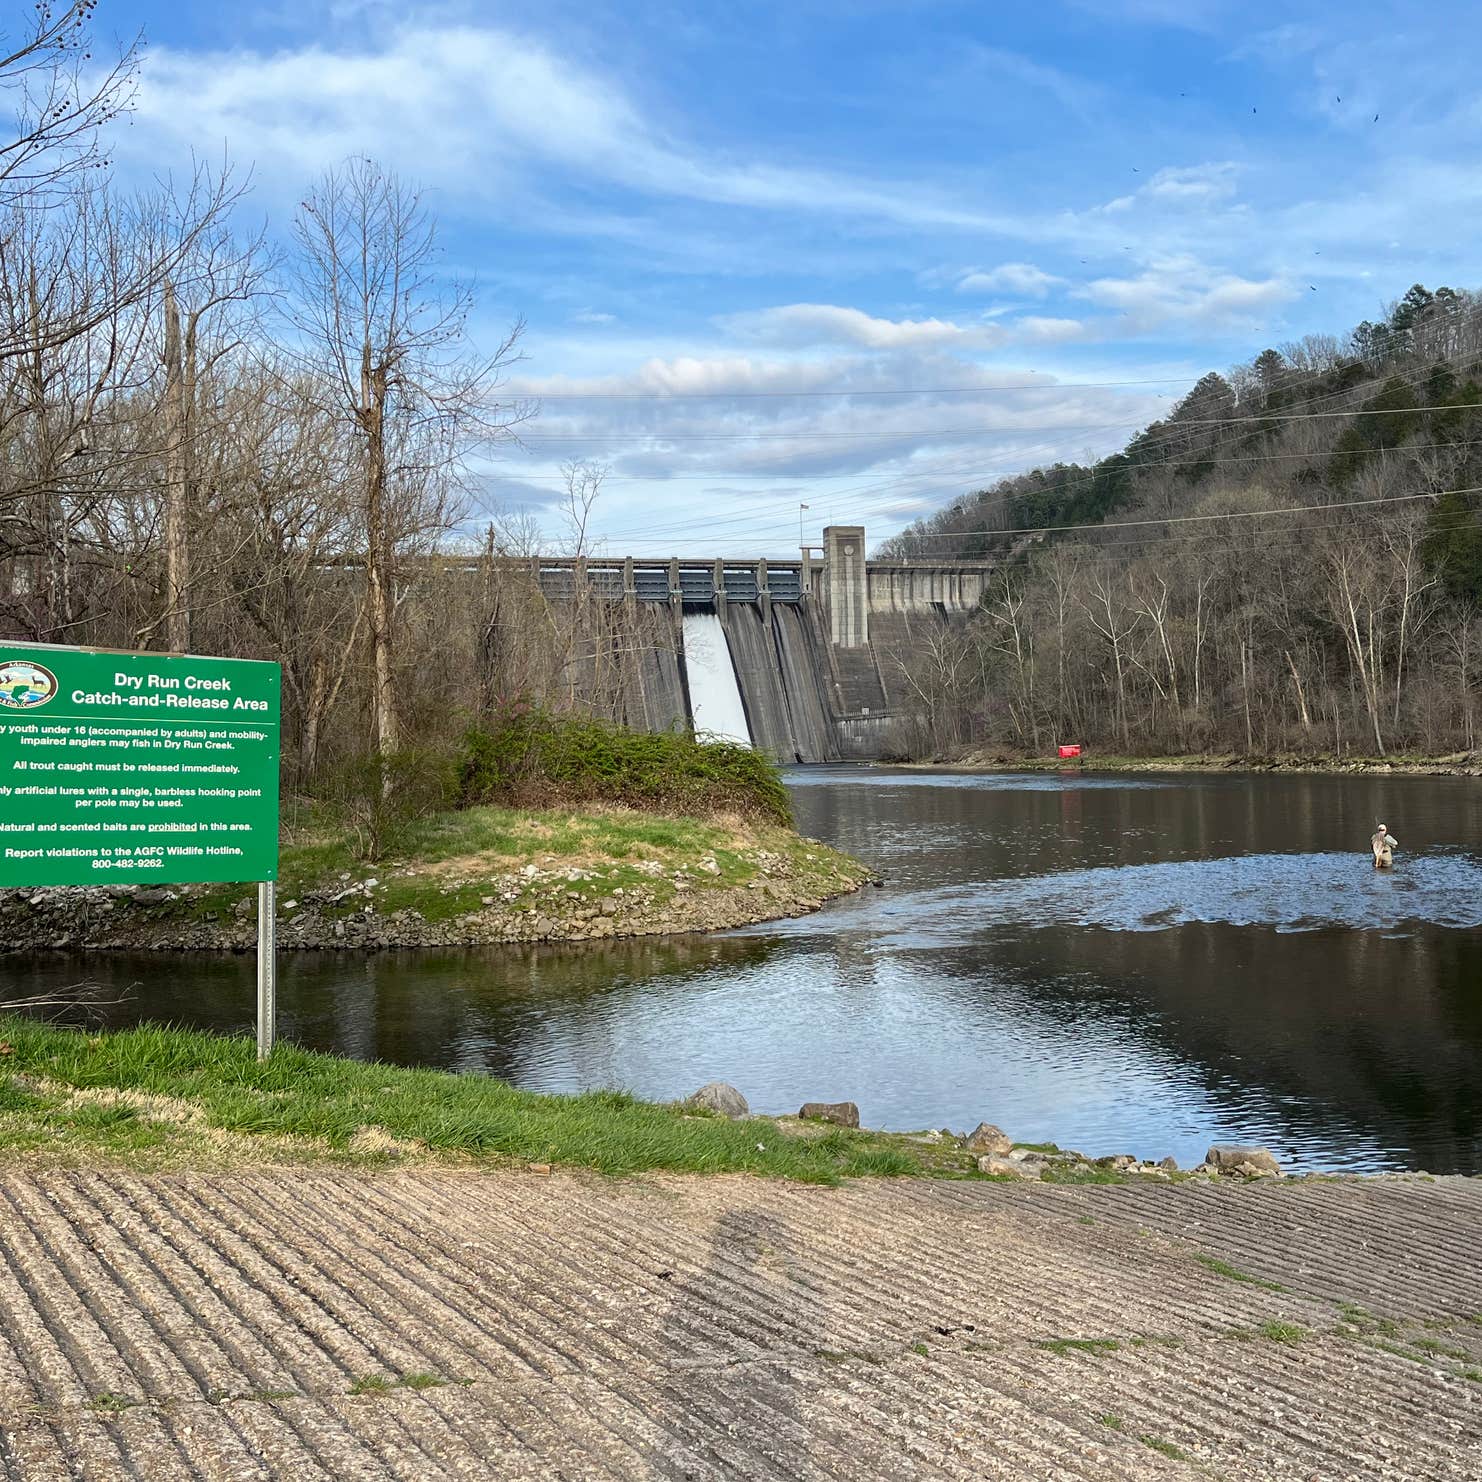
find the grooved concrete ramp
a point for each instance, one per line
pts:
(428, 1324)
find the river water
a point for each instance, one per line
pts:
(1115, 963)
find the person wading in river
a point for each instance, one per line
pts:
(1383, 844)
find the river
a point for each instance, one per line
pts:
(1141, 963)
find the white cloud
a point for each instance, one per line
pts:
(712, 451)
(1192, 185)
(1186, 186)
(1034, 327)
(478, 108)
(1009, 277)
(593, 316)
(834, 324)
(1181, 287)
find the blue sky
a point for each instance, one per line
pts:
(1061, 214)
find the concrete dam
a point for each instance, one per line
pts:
(807, 659)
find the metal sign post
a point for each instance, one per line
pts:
(267, 968)
(142, 769)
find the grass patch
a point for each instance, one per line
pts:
(1366, 1323)
(372, 1384)
(109, 1403)
(1063, 1346)
(1081, 1174)
(1164, 1448)
(1282, 1332)
(1233, 1273)
(17, 1098)
(1111, 1422)
(1400, 1351)
(302, 1106)
(443, 865)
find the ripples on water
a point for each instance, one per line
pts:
(1291, 892)
(1116, 964)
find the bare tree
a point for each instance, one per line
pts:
(583, 480)
(1108, 614)
(391, 336)
(58, 102)
(219, 272)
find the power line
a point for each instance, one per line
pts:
(1191, 542)
(1203, 462)
(844, 391)
(1243, 514)
(1171, 434)
(881, 490)
(917, 432)
(1163, 520)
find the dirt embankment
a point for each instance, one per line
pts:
(454, 902)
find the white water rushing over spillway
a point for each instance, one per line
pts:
(715, 697)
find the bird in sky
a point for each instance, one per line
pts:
(1313, 287)
(1376, 118)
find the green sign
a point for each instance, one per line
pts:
(127, 768)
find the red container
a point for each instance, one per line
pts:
(1068, 753)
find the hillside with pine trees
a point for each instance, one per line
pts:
(1291, 561)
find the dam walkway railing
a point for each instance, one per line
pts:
(670, 579)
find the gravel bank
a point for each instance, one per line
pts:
(537, 902)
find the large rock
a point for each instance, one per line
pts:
(724, 1100)
(841, 1113)
(986, 1138)
(1231, 1158)
(1001, 1167)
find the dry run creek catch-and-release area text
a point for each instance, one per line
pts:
(114, 767)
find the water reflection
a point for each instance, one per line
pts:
(1120, 965)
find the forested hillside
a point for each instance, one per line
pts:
(1292, 560)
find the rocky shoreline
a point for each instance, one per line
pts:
(1458, 764)
(990, 1150)
(534, 903)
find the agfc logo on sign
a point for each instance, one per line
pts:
(25, 685)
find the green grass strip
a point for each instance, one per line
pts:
(320, 1102)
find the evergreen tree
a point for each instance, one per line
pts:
(1453, 547)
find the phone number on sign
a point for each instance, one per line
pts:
(128, 864)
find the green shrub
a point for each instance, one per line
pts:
(382, 797)
(530, 757)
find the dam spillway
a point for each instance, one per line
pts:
(715, 708)
(807, 660)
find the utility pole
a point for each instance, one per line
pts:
(801, 508)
